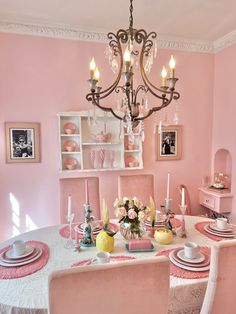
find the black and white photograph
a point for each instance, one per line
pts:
(169, 143)
(22, 142)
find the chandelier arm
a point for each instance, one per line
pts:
(154, 109)
(140, 87)
(107, 109)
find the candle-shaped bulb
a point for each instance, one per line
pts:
(182, 198)
(96, 74)
(127, 59)
(164, 75)
(127, 55)
(92, 67)
(172, 66)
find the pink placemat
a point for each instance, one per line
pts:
(183, 273)
(89, 261)
(64, 231)
(28, 269)
(200, 227)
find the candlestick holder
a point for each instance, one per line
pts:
(168, 205)
(69, 243)
(87, 241)
(183, 233)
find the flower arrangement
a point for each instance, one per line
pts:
(131, 214)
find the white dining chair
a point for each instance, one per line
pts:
(220, 294)
(76, 188)
(135, 286)
(141, 186)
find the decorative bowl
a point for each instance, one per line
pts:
(70, 146)
(69, 128)
(102, 137)
(129, 159)
(133, 164)
(70, 163)
(163, 236)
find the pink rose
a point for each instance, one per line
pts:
(141, 216)
(132, 214)
(121, 212)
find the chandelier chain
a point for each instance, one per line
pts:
(131, 14)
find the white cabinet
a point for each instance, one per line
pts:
(216, 201)
(97, 144)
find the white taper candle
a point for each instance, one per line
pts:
(182, 198)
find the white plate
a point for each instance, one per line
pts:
(223, 235)
(214, 226)
(11, 254)
(4, 259)
(200, 257)
(205, 268)
(22, 263)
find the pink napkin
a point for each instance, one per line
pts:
(139, 244)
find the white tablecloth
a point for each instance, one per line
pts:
(29, 295)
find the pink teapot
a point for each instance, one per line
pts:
(102, 137)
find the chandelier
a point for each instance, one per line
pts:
(130, 50)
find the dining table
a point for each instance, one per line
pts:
(29, 294)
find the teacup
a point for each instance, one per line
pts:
(103, 257)
(191, 250)
(19, 247)
(221, 223)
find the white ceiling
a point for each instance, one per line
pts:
(190, 19)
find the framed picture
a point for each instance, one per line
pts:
(169, 142)
(22, 142)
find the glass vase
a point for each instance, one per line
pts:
(132, 230)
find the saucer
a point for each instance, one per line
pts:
(5, 259)
(191, 268)
(214, 227)
(11, 254)
(218, 233)
(199, 258)
(6, 264)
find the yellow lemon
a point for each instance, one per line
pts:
(104, 243)
(163, 236)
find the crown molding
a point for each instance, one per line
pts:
(225, 41)
(171, 43)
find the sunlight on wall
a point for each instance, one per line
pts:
(29, 224)
(15, 215)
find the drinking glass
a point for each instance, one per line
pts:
(101, 157)
(112, 158)
(69, 243)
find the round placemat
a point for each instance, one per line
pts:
(199, 226)
(64, 231)
(89, 261)
(183, 273)
(28, 269)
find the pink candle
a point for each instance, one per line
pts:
(86, 192)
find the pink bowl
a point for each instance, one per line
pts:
(102, 137)
(69, 128)
(133, 164)
(70, 163)
(70, 146)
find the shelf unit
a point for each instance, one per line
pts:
(126, 151)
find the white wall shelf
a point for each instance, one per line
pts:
(87, 153)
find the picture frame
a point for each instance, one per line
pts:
(22, 142)
(169, 143)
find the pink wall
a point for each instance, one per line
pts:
(225, 110)
(40, 77)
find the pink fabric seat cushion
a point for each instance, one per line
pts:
(141, 186)
(136, 286)
(220, 294)
(76, 188)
